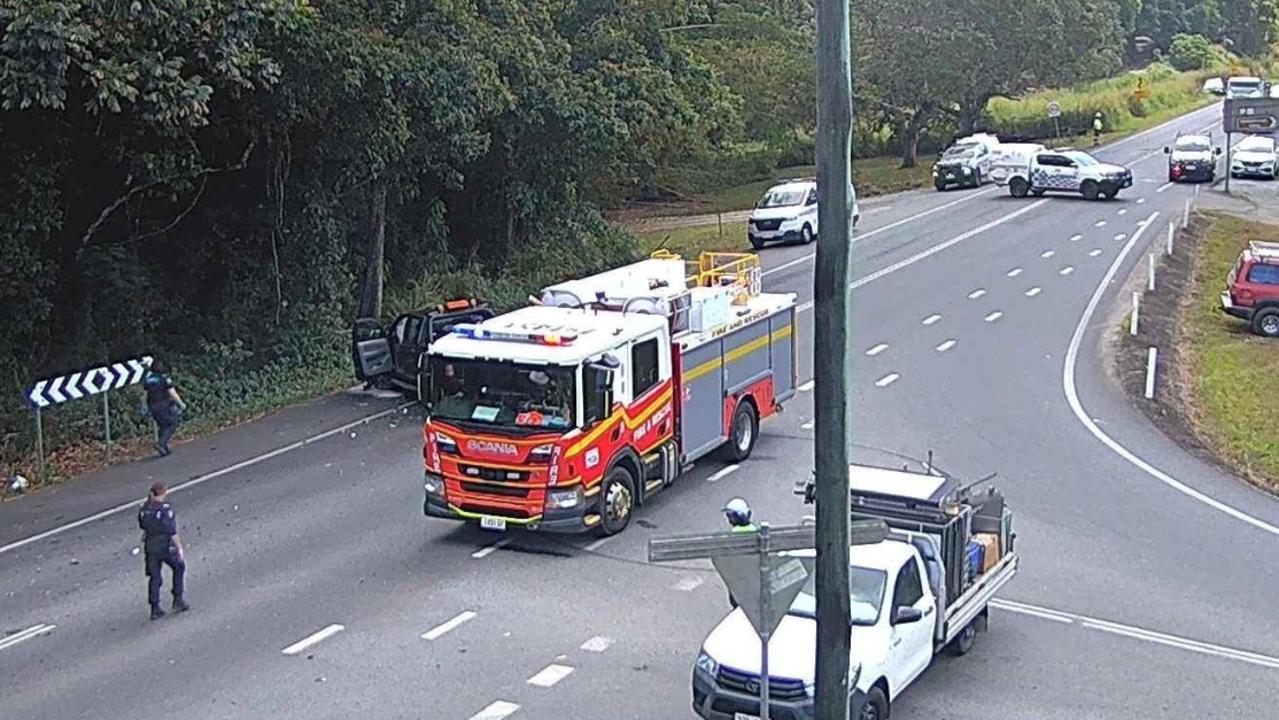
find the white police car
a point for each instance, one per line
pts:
(787, 213)
(1067, 170)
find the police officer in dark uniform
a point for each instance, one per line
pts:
(163, 547)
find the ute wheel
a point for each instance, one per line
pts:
(1266, 322)
(940, 185)
(806, 235)
(742, 434)
(963, 642)
(1090, 190)
(977, 177)
(873, 707)
(617, 501)
(1018, 187)
(757, 243)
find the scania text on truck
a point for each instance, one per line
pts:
(568, 414)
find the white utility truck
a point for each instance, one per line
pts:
(924, 589)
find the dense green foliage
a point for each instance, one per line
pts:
(1246, 27)
(1195, 52)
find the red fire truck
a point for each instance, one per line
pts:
(565, 415)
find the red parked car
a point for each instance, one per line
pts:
(1252, 288)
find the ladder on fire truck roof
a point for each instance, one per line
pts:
(663, 284)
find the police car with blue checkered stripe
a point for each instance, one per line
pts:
(1067, 170)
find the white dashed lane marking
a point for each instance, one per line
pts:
(1123, 212)
(490, 549)
(688, 584)
(887, 380)
(1163, 187)
(440, 630)
(976, 294)
(313, 639)
(1014, 272)
(1094, 252)
(931, 319)
(1066, 270)
(946, 346)
(597, 644)
(550, 675)
(1100, 223)
(24, 635)
(1033, 291)
(1141, 201)
(994, 316)
(878, 349)
(497, 710)
(1047, 254)
(722, 473)
(1076, 238)
(806, 426)
(1121, 236)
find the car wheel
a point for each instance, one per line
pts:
(806, 234)
(742, 433)
(1266, 322)
(1090, 190)
(874, 707)
(757, 243)
(940, 185)
(1018, 187)
(977, 177)
(963, 642)
(617, 501)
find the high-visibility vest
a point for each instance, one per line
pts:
(745, 528)
(1096, 124)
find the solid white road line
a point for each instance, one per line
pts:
(1094, 252)
(976, 294)
(994, 316)
(490, 549)
(887, 380)
(884, 346)
(440, 630)
(1137, 633)
(1076, 238)
(947, 244)
(597, 644)
(807, 387)
(931, 319)
(1014, 272)
(497, 710)
(598, 543)
(550, 675)
(1163, 187)
(1066, 270)
(1072, 398)
(1047, 254)
(24, 635)
(688, 584)
(1033, 291)
(313, 638)
(946, 346)
(723, 473)
(133, 505)
(872, 233)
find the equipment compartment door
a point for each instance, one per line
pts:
(702, 401)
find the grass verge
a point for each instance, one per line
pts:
(1232, 374)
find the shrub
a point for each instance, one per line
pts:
(1194, 52)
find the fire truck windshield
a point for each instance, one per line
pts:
(502, 393)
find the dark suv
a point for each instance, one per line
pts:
(1252, 288)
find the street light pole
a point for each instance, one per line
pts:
(831, 366)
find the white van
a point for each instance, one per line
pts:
(788, 213)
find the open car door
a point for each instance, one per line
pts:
(371, 350)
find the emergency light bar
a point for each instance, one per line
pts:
(475, 332)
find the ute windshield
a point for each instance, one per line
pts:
(507, 394)
(1193, 144)
(866, 587)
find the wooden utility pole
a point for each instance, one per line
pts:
(832, 368)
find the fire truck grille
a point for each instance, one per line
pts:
(486, 489)
(493, 474)
(494, 511)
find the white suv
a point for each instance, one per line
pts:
(787, 213)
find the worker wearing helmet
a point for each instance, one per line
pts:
(738, 514)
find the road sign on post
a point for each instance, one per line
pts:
(1054, 112)
(762, 581)
(85, 383)
(1250, 115)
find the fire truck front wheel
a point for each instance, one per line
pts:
(617, 501)
(742, 434)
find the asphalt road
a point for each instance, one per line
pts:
(1146, 589)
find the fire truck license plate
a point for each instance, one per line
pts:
(493, 523)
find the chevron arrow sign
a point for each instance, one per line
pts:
(53, 391)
